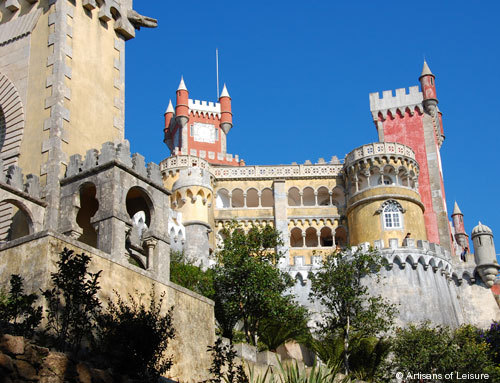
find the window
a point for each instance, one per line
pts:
(392, 215)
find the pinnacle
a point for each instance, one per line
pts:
(224, 92)
(456, 209)
(182, 86)
(426, 70)
(170, 108)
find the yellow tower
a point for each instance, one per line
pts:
(383, 200)
(62, 77)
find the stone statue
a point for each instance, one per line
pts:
(139, 20)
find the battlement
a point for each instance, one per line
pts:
(193, 177)
(398, 102)
(379, 149)
(114, 153)
(15, 178)
(204, 107)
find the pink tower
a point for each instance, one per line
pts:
(414, 119)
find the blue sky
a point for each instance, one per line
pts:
(299, 74)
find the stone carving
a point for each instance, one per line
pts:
(139, 20)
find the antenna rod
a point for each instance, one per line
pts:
(217, 69)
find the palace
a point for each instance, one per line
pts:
(68, 179)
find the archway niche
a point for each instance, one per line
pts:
(252, 198)
(267, 198)
(308, 198)
(15, 219)
(323, 196)
(88, 207)
(311, 237)
(293, 197)
(137, 200)
(237, 199)
(326, 237)
(296, 237)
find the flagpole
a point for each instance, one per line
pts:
(217, 69)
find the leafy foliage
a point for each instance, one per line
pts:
(18, 315)
(134, 337)
(248, 286)
(492, 337)
(190, 276)
(350, 310)
(72, 303)
(222, 355)
(438, 350)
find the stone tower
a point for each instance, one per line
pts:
(458, 223)
(62, 76)
(414, 119)
(383, 202)
(484, 254)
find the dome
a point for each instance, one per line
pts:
(481, 229)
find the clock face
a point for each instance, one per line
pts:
(204, 132)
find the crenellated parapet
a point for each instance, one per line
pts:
(23, 185)
(400, 102)
(118, 154)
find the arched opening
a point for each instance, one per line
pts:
(323, 196)
(388, 177)
(326, 237)
(16, 221)
(341, 236)
(311, 237)
(413, 179)
(179, 202)
(237, 198)
(362, 182)
(293, 197)
(375, 176)
(338, 196)
(296, 237)
(88, 208)
(403, 178)
(252, 198)
(391, 215)
(267, 198)
(137, 200)
(308, 198)
(222, 200)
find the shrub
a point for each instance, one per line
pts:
(18, 315)
(73, 306)
(134, 337)
(190, 276)
(222, 355)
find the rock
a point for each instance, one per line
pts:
(12, 344)
(55, 364)
(51, 379)
(34, 354)
(83, 372)
(100, 376)
(25, 370)
(6, 363)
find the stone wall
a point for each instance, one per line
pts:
(34, 257)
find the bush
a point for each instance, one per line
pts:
(134, 337)
(189, 276)
(18, 315)
(222, 356)
(73, 306)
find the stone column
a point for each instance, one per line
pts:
(281, 220)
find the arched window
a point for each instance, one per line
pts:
(340, 236)
(311, 237)
(308, 198)
(391, 215)
(237, 198)
(222, 200)
(296, 238)
(293, 197)
(252, 198)
(323, 196)
(326, 237)
(267, 198)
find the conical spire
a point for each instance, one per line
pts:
(456, 209)
(426, 70)
(170, 108)
(224, 92)
(182, 86)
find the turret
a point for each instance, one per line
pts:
(484, 254)
(169, 113)
(182, 104)
(458, 223)
(428, 85)
(225, 108)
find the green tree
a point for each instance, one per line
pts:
(72, 304)
(349, 309)
(190, 276)
(438, 350)
(247, 283)
(18, 315)
(134, 337)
